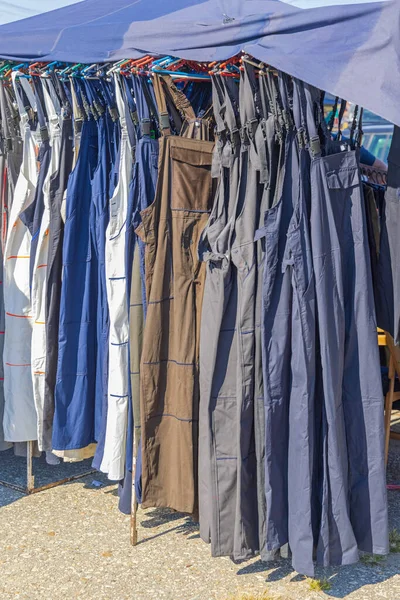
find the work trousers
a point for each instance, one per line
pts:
(141, 196)
(114, 455)
(353, 501)
(388, 292)
(218, 336)
(58, 187)
(269, 167)
(20, 418)
(39, 264)
(3, 184)
(76, 372)
(218, 363)
(276, 309)
(171, 229)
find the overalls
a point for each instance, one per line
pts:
(302, 464)
(142, 193)
(388, 315)
(58, 187)
(268, 150)
(103, 185)
(113, 462)
(276, 307)
(99, 217)
(218, 338)
(40, 265)
(171, 228)
(76, 372)
(20, 417)
(353, 494)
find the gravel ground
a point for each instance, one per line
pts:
(72, 542)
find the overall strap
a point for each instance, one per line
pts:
(248, 112)
(165, 128)
(314, 141)
(179, 98)
(18, 80)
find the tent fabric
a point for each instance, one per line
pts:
(348, 49)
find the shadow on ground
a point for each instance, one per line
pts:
(158, 523)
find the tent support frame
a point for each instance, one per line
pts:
(134, 506)
(30, 478)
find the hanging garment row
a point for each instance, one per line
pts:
(202, 310)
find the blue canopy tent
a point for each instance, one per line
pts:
(348, 48)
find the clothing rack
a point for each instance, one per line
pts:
(30, 478)
(150, 67)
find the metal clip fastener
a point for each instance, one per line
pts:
(315, 145)
(164, 121)
(113, 113)
(145, 126)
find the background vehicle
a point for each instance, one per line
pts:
(377, 131)
(378, 137)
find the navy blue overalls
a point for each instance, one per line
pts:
(301, 446)
(353, 483)
(75, 391)
(276, 324)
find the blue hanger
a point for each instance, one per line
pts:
(183, 74)
(20, 66)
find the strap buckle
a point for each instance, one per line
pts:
(244, 138)
(164, 121)
(98, 108)
(134, 117)
(263, 124)
(44, 133)
(234, 138)
(287, 119)
(315, 145)
(78, 123)
(300, 134)
(251, 128)
(113, 113)
(145, 126)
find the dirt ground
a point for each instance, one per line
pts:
(72, 542)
